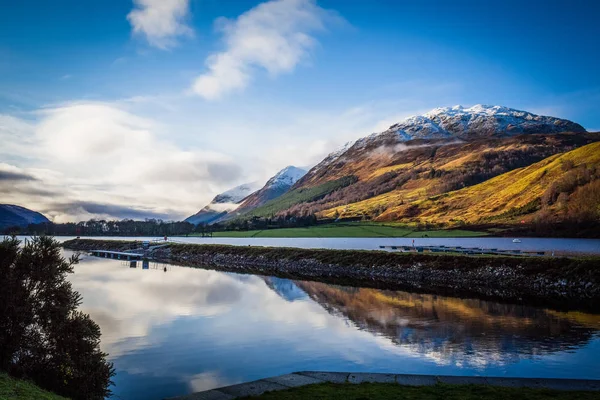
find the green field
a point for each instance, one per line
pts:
(384, 391)
(348, 230)
(16, 389)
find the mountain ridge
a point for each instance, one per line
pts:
(245, 197)
(222, 204)
(278, 185)
(13, 215)
(477, 121)
(450, 149)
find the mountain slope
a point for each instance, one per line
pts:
(387, 175)
(552, 186)
(561, 187)
(455, 125)
(275, 187)
(11, 215)
(365, 183)
(223, 204)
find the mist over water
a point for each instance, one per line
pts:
(186, 330)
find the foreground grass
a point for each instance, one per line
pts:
(359, 230)
(15, 389)
(381, 391)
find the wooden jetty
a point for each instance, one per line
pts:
(117, 255)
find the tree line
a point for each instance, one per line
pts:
(94, 227)
(156, 227)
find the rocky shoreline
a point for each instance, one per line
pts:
(564, 283)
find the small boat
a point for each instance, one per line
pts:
(516, 241)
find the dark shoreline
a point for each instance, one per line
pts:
(561, 283)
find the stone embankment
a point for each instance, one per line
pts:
(557, 282)
(297, 379)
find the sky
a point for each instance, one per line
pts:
(149, 108)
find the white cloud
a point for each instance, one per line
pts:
(160, 21)
(100, 159)
(275, 36)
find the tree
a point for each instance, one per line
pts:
(43, 337)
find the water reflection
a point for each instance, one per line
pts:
(457, 330)
(190, 329)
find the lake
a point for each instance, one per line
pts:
(186, 330)
(559, 245)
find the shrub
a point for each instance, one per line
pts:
(43, 337)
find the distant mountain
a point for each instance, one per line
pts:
(11, 215)
(474, 122)
(223, 203)
(275, 187)
(244, 198)
(387, 176)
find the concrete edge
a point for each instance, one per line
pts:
(302, 378)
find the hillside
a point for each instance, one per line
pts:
(562, 187)
(366, 182)
(11, 215)
(16, 389)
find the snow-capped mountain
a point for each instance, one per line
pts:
(11, 215)
(223, 203)
(275, 187)
(286, 177)
(245, 197)
(229, 199)
(474, 122)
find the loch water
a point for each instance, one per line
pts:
(183, 330)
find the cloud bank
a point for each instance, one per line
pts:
(101, 160)
(160, 21)
(274, 36)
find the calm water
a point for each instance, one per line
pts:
(590, 246)
(185, 330)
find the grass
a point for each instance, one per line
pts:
(348, 230)
(15, 389)
(381, 391)
(506, 196)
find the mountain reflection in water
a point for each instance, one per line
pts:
(185, 330)
(457, 329)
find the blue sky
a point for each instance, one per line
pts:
(208, 94)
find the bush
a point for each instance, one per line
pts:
(43, 337)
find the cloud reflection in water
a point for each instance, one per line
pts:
(185, 330)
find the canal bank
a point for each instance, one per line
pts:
(563, 283)
(306, 378)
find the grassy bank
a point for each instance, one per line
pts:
(15, 389)
(384, 391)
(348, 230)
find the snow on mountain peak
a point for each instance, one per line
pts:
(286, 177)
(233, 196)
(477, 121)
